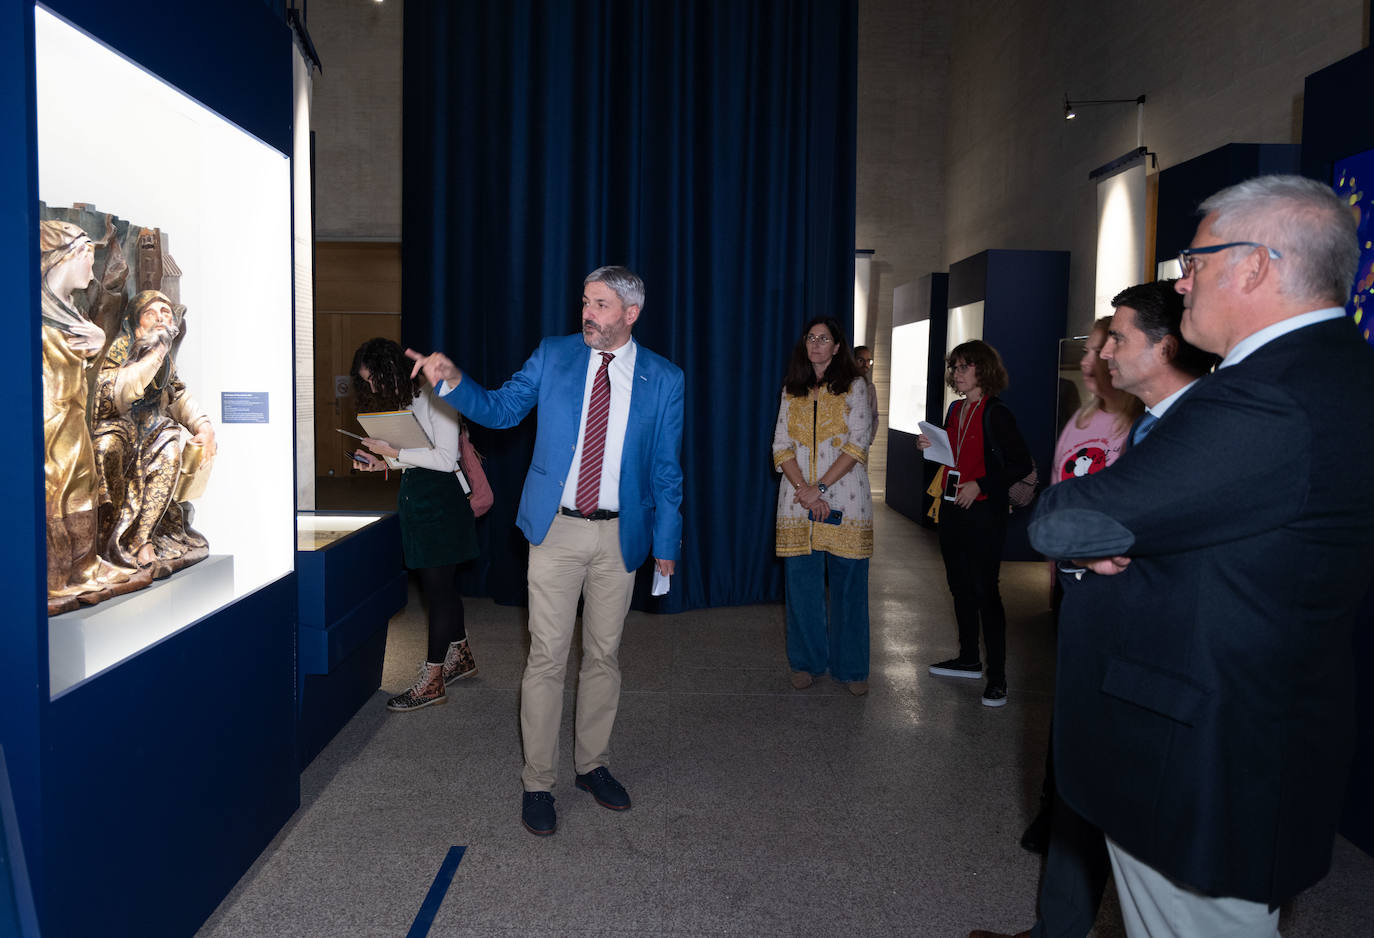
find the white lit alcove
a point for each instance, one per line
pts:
(114, 136)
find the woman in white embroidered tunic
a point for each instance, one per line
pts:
(825, 508)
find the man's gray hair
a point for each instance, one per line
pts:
(623, 281)
(1302, 219)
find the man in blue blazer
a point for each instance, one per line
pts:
(604, 490)
(1206, 726)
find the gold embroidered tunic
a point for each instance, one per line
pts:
(138, 412)
(814, 430)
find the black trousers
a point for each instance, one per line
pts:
(971, 542)
(1076, 872)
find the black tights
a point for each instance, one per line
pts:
(971, 542)
(439, 586)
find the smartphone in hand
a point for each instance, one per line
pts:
(951, 485)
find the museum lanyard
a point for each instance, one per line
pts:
(965, 420)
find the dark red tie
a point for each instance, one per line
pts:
(594, 440)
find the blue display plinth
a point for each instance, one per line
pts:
(351, 583)
(168, 775)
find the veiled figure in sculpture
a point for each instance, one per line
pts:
(76, 573)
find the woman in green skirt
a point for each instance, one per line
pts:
(437, 526)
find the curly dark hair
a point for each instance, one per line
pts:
(839, 374)
(987, 365)
(386, 362)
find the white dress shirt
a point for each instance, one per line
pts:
(1268, 334)
(1162, 406)
(622, 375)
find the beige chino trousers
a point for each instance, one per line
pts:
(578, 557)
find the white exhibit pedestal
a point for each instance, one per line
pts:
(86, 641)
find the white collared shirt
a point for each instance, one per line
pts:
(1162, 406)
(622, 375)
(1255, 340)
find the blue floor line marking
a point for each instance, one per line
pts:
(442, 880)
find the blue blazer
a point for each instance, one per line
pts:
(553, 378)
(1205, 694)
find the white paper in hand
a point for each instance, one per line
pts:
(661, 582)
(939, 450)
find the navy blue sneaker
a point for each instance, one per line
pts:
(537, 813)
(605, 789)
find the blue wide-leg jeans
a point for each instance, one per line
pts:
(827, 632)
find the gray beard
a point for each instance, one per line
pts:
(151, 340)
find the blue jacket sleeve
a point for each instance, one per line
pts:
(507, 405)
(667, 474)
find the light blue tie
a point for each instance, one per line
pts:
(1143, 426)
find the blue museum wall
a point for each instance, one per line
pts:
(143, 795)
(1337, 114)
(1027, 304)
(167, 775)
(24, 661)
(1183, 186)
(1025, 296)
(1338, 122)
(230, 55)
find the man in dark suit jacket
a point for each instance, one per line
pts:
(1206, 727)
(1147, 356)
(604, 490)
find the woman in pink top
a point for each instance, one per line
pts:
(1093, 439)
(1089, 443)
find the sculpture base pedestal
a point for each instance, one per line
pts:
(86, 641)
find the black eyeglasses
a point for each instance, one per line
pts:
(1185, 256)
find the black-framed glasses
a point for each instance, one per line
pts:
(817, 338)
(1185, 256)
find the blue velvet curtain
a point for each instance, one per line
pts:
(706, 144)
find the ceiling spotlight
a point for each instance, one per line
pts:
(1069, 112)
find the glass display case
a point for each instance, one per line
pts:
(147, 178)
(318, 530)
(910, 381)
(1072, 392)
(198, 210)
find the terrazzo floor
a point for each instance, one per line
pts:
(758, 810)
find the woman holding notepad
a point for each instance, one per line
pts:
(437, 525)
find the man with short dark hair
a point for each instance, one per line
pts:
(1148, 357)
(863, 355)
(1206, 725)
(604, 490)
